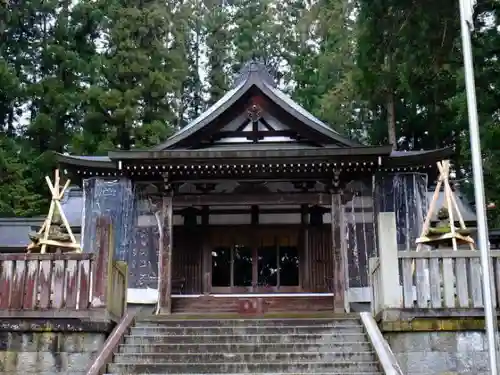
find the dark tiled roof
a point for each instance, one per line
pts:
(256, 76)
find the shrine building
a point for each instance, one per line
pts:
(254, 198)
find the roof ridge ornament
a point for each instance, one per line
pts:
(256, 66)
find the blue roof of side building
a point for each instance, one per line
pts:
(72, 204)
(14, 230)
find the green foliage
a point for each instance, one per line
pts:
(17, 194)
(91, 76)
(218, 37)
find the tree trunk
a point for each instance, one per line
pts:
(391, 120)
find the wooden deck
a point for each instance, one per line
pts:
(251, 305)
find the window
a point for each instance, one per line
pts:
(267, 266)
(289, 266)
(242, 256)
(221, 266)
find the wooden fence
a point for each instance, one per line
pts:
(45, 281)
(434, 279)
(64, 284)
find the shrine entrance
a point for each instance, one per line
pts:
(255, 260)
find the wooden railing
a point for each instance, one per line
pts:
(435, 279)
(117, 288)
(45, 281)
(65, 285)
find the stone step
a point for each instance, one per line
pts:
(243, 330)
(345, 367)
(326, 322)
(245, 348)
(330, 337)
(243, 358)
(266, 373)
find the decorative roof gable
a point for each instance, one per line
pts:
(255, 112)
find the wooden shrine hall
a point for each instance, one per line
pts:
(256, 198)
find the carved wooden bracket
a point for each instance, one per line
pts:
(335, 186)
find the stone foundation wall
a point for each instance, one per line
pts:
(443, 353)
(48, 352)
(50, 346)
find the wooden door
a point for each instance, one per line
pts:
(250, 259)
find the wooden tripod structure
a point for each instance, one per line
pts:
(55, 206)
(456, 235)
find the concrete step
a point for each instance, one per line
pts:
(243, 330)
(324, 338)
(244, 358)
(244, 322)
(246, 348)
(341, 367)
(267, 373)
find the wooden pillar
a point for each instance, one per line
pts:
(206, 255)
(339, 258)
(304, 261)
(343, 252)
(165, 256)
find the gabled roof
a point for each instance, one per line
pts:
(254, 121)
(255, 75)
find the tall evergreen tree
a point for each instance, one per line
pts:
(191, 101)
(323, 66)
(141, 71)
(218, 40)
(256, 35)
(408, 61)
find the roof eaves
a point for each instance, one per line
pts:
(86, 161)
(398, 158)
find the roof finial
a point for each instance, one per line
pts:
(256, 66)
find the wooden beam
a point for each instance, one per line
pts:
(255, 134)
(165, 256)
(251, 199)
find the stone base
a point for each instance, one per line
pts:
(437, 341)
(50, 346)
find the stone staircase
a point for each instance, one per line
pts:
(334, 346)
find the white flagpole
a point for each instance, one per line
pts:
(466, 21)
